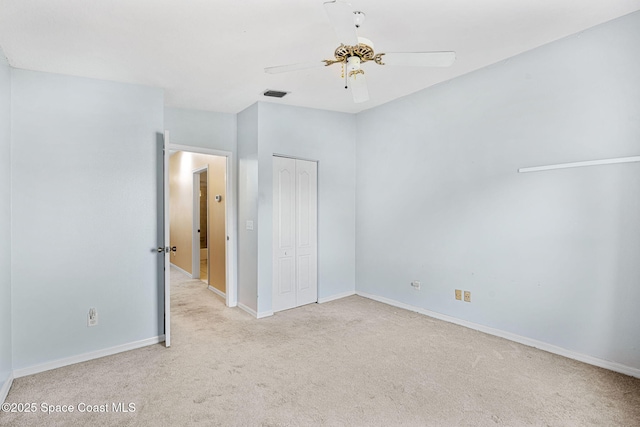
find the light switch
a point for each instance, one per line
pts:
(249, 225)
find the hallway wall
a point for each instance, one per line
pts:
(205, 129)
(248, 208)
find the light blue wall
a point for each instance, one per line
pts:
(204, 129)
(84, 181)
(5, 220)
(248, 207)
(551, 256)
(329, 138)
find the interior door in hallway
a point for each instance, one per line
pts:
(164, 249)
(295, 231)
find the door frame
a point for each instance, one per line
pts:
(195, 242)
(231, 226)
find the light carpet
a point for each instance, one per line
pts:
(350, 362)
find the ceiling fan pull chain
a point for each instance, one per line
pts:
(346, 77)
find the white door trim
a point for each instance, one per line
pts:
(231, 222)
(295, 158)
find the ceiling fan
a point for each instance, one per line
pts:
(354, 51)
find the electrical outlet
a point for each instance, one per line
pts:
(467, 296)
(458, 294)
(416, 285)
(92, 317)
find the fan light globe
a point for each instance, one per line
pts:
(353, 63)
(358, 18)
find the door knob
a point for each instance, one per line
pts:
(161, 249)
(173, 249)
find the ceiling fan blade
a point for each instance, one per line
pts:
(340, 15)
(359, 88)
(293, 67)
(419, 59)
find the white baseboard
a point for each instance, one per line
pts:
(4, 390)
(247, 309)
(217, 292)
(254, 313)
(606, 364)
(335, 297)
(30, 370)
(181, 270)
(264, 314)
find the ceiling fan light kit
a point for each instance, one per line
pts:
(363, 50)
(358, 18)
(354, 51)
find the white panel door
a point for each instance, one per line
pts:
(166, 233)
(284, 232)
(306, 232)
(295, 229)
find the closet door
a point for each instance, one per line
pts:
(284, 234)
(306, 232)
(295, 230)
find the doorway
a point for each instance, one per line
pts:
(166, 151)
(201, 218)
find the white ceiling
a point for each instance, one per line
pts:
(210, 54)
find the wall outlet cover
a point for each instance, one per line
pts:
(467, 296)
(92, 317)
(458, 294)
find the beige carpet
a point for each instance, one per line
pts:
(351, 362)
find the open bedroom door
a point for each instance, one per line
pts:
(166, 248)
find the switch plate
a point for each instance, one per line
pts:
(249, 225)
(92, 317)
(467, 296)
(416, 285)
(458, 294)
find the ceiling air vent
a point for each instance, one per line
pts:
(275, 93)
